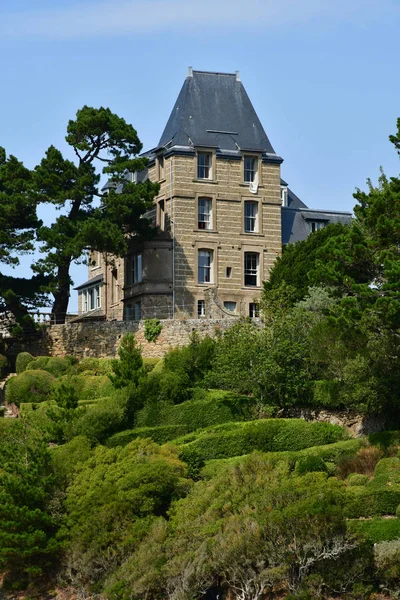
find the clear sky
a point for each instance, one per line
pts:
(323, 76)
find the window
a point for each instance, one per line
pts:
(97, 296)
(114, 286)
(231, 306)
(201, 308)
(205, 258)
(251, 217)
(161, 215)
(161, 167)
(204, 170)
(136, 269)
(251, 264)
(228, 272)
(316, 225)
(91, 299)
(96, 259)
(254, 310)
(250, 169)
(205, 213)
(284, 195)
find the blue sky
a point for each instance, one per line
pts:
(322, 75)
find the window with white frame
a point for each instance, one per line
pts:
(231, 306)
(284, 195)
(205, 261)
(204, 213)
(204, 165)
(250, 169)
(91, 299)
(136, 269)
(251, 269)
(254, 310)
(251, 216)
(316, 225)
(201, 308)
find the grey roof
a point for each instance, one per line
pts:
(296, 221)
(213, 110)
(294, 201)
(90, 282)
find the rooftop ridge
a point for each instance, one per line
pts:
(214, 73)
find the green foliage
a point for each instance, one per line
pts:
(152, 329)
(194, 361)
(310, 464)
(387, 561)
(28, 546)
(97, 366)
(150, 364)
(369, 501)
(269, 435)
(375, 530)
(65, 458)
(327, 393)
(112, 502)
(208, 407)
(159, 435)
(357, 479)
(128, 369)
(39, 362)
(22, 361)
(3, 365)
(65, 395)
(387, 472)
(90, 387)
(385, 439)
(29, 386)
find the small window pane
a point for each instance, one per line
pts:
(251, 262)
(254, 311)
(316, 225)
(201, 308)
(230, 306)
(204, 266)
(203, 165)
(205, 213)
(249, 169)
(250, 217)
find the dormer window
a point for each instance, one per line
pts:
(316, 225)
(250, 169)
(284, 195)
(204, 165)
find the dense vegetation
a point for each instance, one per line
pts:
(135, 479)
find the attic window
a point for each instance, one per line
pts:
(204, 162)
(250, 169)
(316, 225)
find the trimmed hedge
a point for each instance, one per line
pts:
(91, 387)
(208, 408)
(367, 501)
(29, 386)
(376, 530)
(387, 472)
(39, 363)
(150, 364)
(357, 479)
(22, 361)
(266, 435)
(385, 439)
(97, 366)
(331, 454)
(160, 435)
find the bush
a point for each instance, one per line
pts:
(385, 439)
(29, 386)
(160, 435)
(331, 454)
(57, 366)
(326, 393)
(309, 464)
(367, 501)
(90, 387)
(150, 363)
(387, 561)
(375, 530)
(152, 329)
(387, 472)
(357, 479)
(3, 365)
(269, 435)
(209, 407)
(97, 366)
(39, 363)
(23, 360)
(65, 458)
(364, 462)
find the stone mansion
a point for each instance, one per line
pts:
(223, 213)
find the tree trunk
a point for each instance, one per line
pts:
(61, 295)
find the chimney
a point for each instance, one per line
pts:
(190, 72)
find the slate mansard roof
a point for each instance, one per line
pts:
(213, 110)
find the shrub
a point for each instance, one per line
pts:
(97, 366)
(159, 435)
(150, 363)
(375, 530)
(39, 363)
(364, 462)
(65, 458)
(387, 472)
(331, 454)
(89, 387)
(29, 386)
(387, 561)
(209, 407)
(326, 393)
(385, 439)
(367, 501)
(309, 464)
(3, 365)
(269, 435)
(23, 360)
(357, 479)
(57, 366)
(128, 369)
(152, 329)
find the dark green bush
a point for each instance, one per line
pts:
(385, 439)
(23, 360)
(57, 366)
(387, 472)
(268, 435)
(89, 387)
(150, 363)
(376, 530)
(331, 454)
(29, 386)
(66, 457)
(39, 363)
(357, 479)
(326, 393)
(160, 435)
(208, 407)
(309, 464)
(367, 501)
(98, 366)
(3, 365)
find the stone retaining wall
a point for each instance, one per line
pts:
(102, 339)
